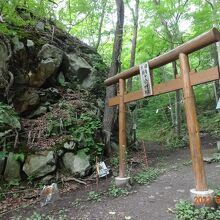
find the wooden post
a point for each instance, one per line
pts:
(192, 124)
(122, 129)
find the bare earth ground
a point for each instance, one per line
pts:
(155, 201)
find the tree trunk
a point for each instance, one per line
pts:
(104, 2)
(108, 119)
(134, 40)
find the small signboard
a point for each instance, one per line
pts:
(146, 79)
(218, 104)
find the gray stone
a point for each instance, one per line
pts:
(40, 26)
(17, 44)
(49, 52)
(26, 101)
(208, 159)
(30, 43)
(77, 164)
(47, 179)
(69, 145)
(89, 82)
(49, 95)
(12, 169)
(180, 190)
(51, 58)
(39, 165)
(38, 112)
(79, 67)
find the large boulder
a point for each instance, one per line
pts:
(76, 164)
(50, 58)
(40, 164)
(81, 71)
(27, 100)
(12, 169)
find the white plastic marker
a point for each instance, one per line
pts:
(103, 170)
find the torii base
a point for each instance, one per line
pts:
(121, 181)
(202, 198)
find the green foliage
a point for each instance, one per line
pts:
(19, 157)
(9, 123)
(61, 215)
(12, 183)
(148, 175)
(94, 196)
(186, 211)
(57, 125)
(85, 131)
(3, 154)
(114, 161)
(173, 142)
(216, 157)
(210, 121)
(115, 191)
(23, 13)
(8, 118)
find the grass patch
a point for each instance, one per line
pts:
(94, 196)
(115, 191)
(186, 211)
(148, 175)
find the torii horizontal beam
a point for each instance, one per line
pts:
(191, 46)
(196, 78)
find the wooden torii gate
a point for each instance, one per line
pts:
(186, 82)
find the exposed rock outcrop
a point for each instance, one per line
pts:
(39, 165)
(12, 169)
(77, 165)
(55, 83)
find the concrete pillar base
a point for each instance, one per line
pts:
(202, 198)
(121, 181)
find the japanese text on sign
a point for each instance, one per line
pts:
(146, 79)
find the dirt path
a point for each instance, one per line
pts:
(155, 201)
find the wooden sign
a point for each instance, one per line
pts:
(146, 82)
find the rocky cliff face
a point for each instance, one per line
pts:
(51, 93)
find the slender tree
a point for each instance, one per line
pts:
(104, 2)
(108, 120)
(135, 15)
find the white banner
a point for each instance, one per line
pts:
(146, 79)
